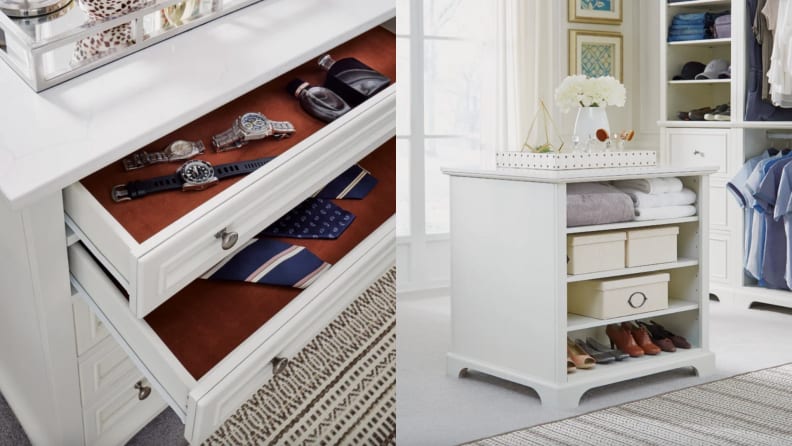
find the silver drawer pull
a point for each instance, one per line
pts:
(699, 153)
(637, 293)
(279, 365)
(228, 239)
(143, 391)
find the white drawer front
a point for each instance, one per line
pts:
(101, 371)
(154, 271)
(204, 404)
(116, 419)
(700, 148)
(88, 329)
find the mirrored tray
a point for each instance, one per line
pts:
(85, 34)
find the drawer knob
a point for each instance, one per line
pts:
(279, 364)
(633, 295)
(143, 391)
(699, 153)
(228, 239)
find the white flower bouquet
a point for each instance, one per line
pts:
(580, 90)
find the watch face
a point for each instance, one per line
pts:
(254, 123)
(181, 148)
(196, 172)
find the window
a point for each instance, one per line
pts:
(444, 67)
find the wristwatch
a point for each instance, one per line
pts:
(194, 175)
(176, 151)
(249, 127)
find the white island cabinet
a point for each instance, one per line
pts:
(99, 330)
(509, 280)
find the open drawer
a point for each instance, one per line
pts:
(208, 349)
(157, 245)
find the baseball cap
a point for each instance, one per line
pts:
(715, 70)
(689, 71)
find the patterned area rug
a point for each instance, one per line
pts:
(340, 389)
(751, 409)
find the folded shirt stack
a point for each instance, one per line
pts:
(659, 198)
(693, 26)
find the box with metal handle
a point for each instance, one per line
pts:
(616, 297)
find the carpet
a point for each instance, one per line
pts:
(751, 409)
(340, 388)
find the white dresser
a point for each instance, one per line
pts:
(509, 281)
(92, 343)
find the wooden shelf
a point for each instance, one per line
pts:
(577, 322)
(701, 82)
(703, 42)
(631, 225)
(699, 3)
(681, 263)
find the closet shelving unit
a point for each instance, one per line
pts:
(509, 285)
(724, 144)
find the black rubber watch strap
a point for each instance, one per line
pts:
(240, 168)
(137, 189)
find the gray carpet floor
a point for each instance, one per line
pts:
(434, 410)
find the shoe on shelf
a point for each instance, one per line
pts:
(659, 338)
(642, 338)
(600, 357)
(622, 338)
(720, 113)
(579, 357)
(699, 113)
(570, 365)
(595, 345)
(678, 341)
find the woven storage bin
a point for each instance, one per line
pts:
(623, 296)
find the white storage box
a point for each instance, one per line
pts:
(575, 160)
(623, 296)
(590, 253)
(652, 246)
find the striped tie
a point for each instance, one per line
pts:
(355, 183)
(313, 218)
(270, 262)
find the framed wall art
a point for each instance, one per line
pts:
(595, 53)
(608, 12)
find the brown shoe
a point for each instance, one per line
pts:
(642, 338)
(659, 338)
(623, 339)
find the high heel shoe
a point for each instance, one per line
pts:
(623, 339)
(595, 345)
(570, 365)
(642, 338)
(600, 357)
(578, 356)
(658, 337)
(678, 341)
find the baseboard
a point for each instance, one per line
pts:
(423, 293)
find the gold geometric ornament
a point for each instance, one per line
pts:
(547, 146)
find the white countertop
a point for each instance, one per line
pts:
(581, 175)
(54, 138)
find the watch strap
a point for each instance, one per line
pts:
(282, 129)
(138, 189)
(228, 140)
(143, 159)
(240, 168)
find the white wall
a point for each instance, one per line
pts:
(424, 262)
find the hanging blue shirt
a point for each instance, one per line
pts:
(774, 260)
(738, 188)
(783, 211)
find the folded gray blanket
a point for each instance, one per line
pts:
(597, 204)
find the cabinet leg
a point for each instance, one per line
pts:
(455, 368)
(560, 398)
(705, 366)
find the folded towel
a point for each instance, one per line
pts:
(597, 204)
(644, 200)
(664, 212)
(652, 185)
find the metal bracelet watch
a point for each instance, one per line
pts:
(249, 127)
(194, 175)
(176, 151)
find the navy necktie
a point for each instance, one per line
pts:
(313, 218)
(270, 262)
(355, 183)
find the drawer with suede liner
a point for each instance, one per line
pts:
(156, 245)
(215, 342)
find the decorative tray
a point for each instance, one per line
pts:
(575, 160)
(50, 49)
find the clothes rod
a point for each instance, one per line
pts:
(779, 134)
